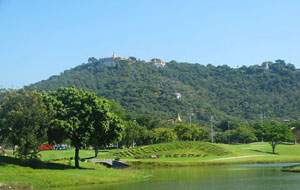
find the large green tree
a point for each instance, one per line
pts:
(24, 121)
(135, 134)
(244, 133)
(161, 135)
(107, 127)
(193, 132)
(276, 133)
(78, 114)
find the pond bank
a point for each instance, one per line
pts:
(20, 177)
(291, 169)
(237, 161)
(246, 177)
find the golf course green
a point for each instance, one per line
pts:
(56, 169)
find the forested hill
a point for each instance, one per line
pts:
(236, 93)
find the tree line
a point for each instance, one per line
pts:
(29, 119)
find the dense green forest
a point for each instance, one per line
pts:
(222, 92)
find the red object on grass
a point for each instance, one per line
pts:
(45, 147)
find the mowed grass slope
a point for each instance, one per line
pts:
(17, 174)
(201, 153)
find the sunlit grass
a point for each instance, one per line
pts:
(16, 176)
(258, 153)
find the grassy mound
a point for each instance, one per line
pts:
(174, 151)
(202, 153)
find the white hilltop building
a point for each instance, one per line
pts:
(178, 95)
(112, 60)
(267, 66)
(158, 62)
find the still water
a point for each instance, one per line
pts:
(241, 177)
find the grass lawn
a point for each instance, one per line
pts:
(49, 173)
(233, 154)
(283, 153)
(15, 175)
(61, 154)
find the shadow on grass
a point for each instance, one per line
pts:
(287, 143)
(268, 152)
(103, 151)
(33, 163)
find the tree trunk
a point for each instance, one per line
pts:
(76, 157)
(273, 147)
(3, 150)
(13, 149)
(96, 151)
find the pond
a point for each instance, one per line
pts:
(238, 177)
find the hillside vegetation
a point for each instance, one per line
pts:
(224, 92)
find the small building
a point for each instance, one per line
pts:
(112, 60)
(158, 62)
(286, 121)
(267, 66)
(177, 95)
(171, 121)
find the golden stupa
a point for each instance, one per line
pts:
(178, 119)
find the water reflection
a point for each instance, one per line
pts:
(242, 177)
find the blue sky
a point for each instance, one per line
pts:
(41, 38)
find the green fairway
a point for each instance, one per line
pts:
(207, 154)
(61, 173)
(262, 153)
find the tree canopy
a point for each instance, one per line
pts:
(81, 117)
(227, 93)
(24, 121)
(276, 133)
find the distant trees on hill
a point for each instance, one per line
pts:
(226, 93)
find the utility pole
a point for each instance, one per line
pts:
(229, 132)
(190, 114)
(262, 116)
(212, 130)
(134, 120)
